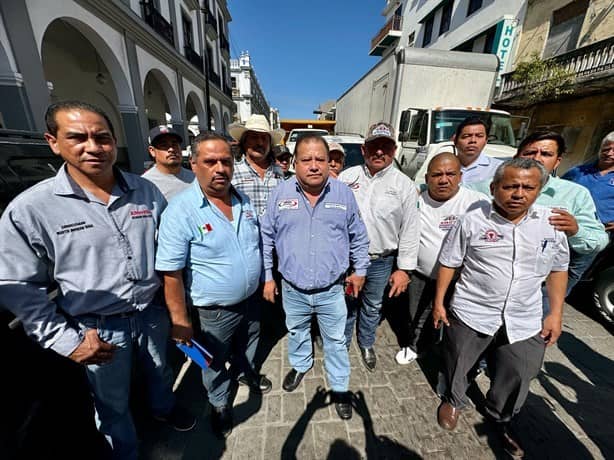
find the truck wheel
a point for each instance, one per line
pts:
(603, 293)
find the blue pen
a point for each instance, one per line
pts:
(544, 244)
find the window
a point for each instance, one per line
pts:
(446, 17)
(233, 82)
(187, 31)
(474, 5)
(565, 28)
(411, 40)
(428, 30)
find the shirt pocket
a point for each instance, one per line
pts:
(386, 206)
(543, 260)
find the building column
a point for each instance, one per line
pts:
(136, 142)
(14, 99)
(35, 94)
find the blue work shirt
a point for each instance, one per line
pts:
(314, 244)
(482, 168)
(223, 258)
(101, 255)
(601, 187)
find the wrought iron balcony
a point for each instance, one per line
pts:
(387, 35)
(593, 66)
(214, 78)
(192, 56)
(157, 22)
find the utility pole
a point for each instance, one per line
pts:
(205, 10)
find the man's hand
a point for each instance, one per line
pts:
(182, 332)
(270, 291)
(92, 350)
(439, 314)
(357, 282)
(551, 331)
(609, 226)
(398, 281)
(563, 221)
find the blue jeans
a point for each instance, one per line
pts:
(229, 332)
(371, 298)
(141, 339)
(331, 312)
(578, 264)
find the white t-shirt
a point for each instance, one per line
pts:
(169, 184)
(436, 218)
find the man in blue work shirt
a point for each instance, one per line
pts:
(469, 140)
(314, 225)
(211, 230)
(90, 230)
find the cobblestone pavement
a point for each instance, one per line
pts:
(567, 414)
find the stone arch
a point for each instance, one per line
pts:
(195, 115)
(226, 121)
(216, 121)
(155, 82)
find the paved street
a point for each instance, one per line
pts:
(567, 414)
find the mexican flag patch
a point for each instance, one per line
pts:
(205, 228)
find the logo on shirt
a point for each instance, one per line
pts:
(335, 206)
(491, 236)
(205, 228)
(287, 204)
(354, 185)
(248, 214)
(447, 222)
(141, 214)
(74, 227)
(612, 181)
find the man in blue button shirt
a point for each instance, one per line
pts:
(313, 223)
(90, 231)
(211, 230)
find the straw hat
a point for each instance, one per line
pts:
(259, 124)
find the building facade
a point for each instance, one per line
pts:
(144, 62)
(482, 26)
(578, 37)
(246, 91)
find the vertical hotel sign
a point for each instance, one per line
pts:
(506, 32)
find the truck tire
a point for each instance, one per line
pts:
(603, 293)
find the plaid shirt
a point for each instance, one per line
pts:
(247, 180)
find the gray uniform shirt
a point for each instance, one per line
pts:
(100, 255)
(169, 184)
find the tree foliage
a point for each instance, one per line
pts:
(544, 79)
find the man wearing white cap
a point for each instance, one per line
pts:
(336, 158)
(256, 174)
(388, 204)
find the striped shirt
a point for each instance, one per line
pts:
(247, 180)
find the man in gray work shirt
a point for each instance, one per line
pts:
(91, 230)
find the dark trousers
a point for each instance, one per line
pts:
(420, 329)
(512, 366)
(227, 332)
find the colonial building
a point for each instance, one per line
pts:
(144, 62)
(578, 38)
(246, 91)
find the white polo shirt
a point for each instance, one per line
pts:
(502, 268)
(436, 218)
(482, 168)
(388, 205)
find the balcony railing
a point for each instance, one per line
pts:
(585, 63)
(214, 78)
(224, 45)
(393, 25)
(157, 22)
(192, 56)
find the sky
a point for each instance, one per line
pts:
(305, 52)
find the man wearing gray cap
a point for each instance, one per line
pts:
(167, 173)
(336, 158)
(388, 204)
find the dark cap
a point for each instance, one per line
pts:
(280, 151)
(161, 131)
(380, 129)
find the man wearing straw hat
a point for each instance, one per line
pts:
(256, 174)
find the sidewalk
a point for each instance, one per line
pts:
(567, 414)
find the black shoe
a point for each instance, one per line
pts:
(179, 418)
(292, 380)
(258, 383)
(221, 421)
(317, 341)
(510, 441)
(343, 404)
(368, 358)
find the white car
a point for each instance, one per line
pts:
(296, 133)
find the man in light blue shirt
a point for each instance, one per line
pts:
(210, 230)
(314, 225)
(469, 140)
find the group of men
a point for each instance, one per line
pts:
(131, 268)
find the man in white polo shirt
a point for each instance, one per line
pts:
(439, 206)
(504, 251)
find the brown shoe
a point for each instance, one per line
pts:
(510, 441)
(447, 416)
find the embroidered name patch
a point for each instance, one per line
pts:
(74, 227)
(287, 204)
(141, 214)
(447, 222)
(335, 206)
